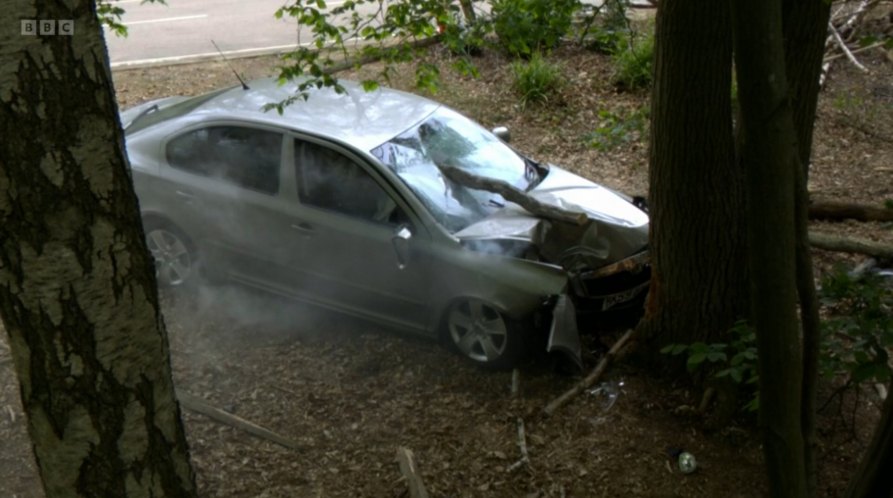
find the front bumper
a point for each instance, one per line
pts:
(615, 286)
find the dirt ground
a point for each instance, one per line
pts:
(350, 394)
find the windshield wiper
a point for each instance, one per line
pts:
(151, 108)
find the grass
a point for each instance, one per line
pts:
(536, 80)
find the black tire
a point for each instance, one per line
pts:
(176, 261)
(482, 334)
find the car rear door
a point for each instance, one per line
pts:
(224, 184)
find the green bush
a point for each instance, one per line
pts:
(615, 129)
(857, 337)
(536, 80)
(858, 330)
(525, 27)
(633, 61)
(736, 361)
(606, 27)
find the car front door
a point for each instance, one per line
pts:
(349, 221)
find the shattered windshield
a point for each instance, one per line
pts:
(448, 138)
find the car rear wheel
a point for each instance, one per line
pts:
(175, 262)
(482, 334)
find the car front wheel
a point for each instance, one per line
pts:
(171, 250)
(481, 333)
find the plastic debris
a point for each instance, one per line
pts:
(686, 462)
(607, 393)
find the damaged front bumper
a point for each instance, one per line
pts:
(612, 287)
(564, 336)
(615, 286)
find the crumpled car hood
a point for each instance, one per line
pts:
(616, 229)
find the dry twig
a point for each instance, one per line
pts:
(593, 377)
(522, 445)
(842, 45)
(199, 405)
(408, 469)
(516, 383)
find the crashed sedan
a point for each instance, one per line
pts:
(386, 206)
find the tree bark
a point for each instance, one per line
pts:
(873, 478)
(77, 287)
(698, 285)
(768, 151)
(804, 31)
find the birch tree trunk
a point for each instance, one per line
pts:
(77, 287)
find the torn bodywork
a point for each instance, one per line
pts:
(604, 254)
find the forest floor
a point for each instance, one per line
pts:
(350, 394)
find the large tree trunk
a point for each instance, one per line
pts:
(77, 288)
(768, 151)
(698, 287)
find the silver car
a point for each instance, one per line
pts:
(385, 206)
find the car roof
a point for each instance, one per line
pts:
(358, 118)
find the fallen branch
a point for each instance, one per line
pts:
(512, 194)
(408, 469)
(855, 51)
(593, 377)
(837, 211)
(199, 405)
(842, 45)
(522, 445)
(830, 242)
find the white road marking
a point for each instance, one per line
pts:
(245, 52)
(166, 19)
(182, 58)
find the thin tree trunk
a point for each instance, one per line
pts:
(77, 288)
(804, 33)
(873, 478)
(769, 154)
(809, 321)
(698, 286)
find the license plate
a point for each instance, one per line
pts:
(611, 301)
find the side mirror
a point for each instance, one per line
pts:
(400, 240)
(502, 133)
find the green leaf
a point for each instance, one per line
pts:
(370, 85)
(716, 357)
(736, 375)
(695, 361)
(871, 371)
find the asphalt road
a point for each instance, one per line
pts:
(183, 29)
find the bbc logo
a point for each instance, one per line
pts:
(46, 27)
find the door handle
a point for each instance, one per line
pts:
(185, 196)
(304, 229)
